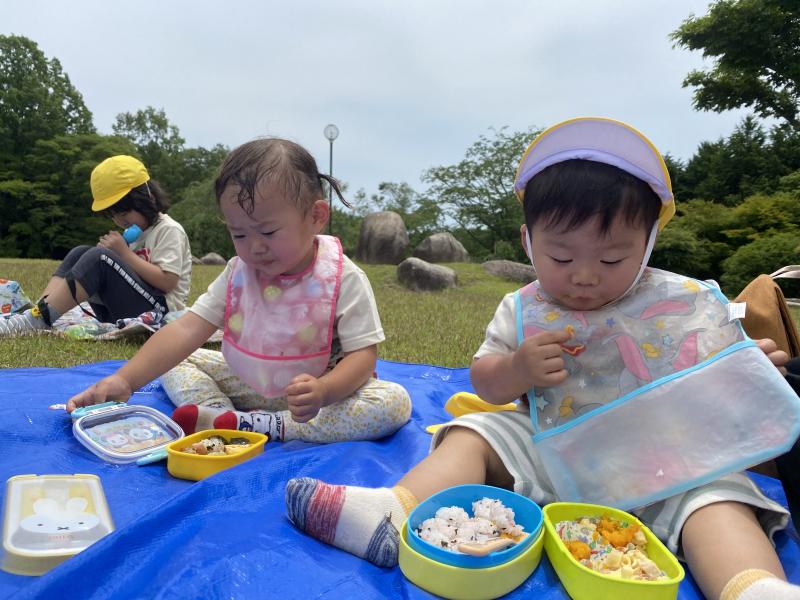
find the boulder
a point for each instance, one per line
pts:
(383, 239)
(196, 261)
(508, 269)
(212, 258)
(418, 275)
(441, 247)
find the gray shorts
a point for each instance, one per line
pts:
(510, 434)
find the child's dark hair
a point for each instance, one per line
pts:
(279, 162)
(570, 193)
(149, 199)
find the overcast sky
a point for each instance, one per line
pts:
(410, 84)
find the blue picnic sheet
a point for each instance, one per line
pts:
(227, 536)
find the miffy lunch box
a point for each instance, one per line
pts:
(49, 518)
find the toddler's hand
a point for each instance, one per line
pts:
(305, 395)
(539, 357)
(777, 357)
(113, 240)
(112, 388)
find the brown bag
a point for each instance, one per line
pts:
(767, 314)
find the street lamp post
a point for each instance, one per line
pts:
(331, 132)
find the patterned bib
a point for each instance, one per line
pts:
(667, 324)
(279, 327)
(665, 393)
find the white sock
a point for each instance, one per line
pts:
(260, 422)
(757, 584)
(771, 588)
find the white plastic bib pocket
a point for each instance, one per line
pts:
(720, 417)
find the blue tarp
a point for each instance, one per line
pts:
(227, 536)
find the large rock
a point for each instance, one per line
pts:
(418, 275)
(441, 247)
(508, 269)
(212, 258)
(383, 239)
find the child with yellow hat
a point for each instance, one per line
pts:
(118, 279)
(618, 369)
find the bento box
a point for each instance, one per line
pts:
(525, 511)
(49, 518)
(458, 583)
(124, 433)
(185, 465)
(583, 583)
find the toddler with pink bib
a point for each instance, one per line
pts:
(300, 323)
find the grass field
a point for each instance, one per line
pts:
(442, 328)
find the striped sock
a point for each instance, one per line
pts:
(363, 521)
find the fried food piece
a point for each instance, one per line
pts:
(199, 448)
(615, 534)
(579, 550)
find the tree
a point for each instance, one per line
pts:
(695, 241)
(197, 164)
(763, 255)
(200, 216)
(755, 45)
(762, 215)
(151, 131)
(748, 162)
(680, 250)
(45, 206)
(37, 101)
(158, 142)
(161, 147)
(479, 192)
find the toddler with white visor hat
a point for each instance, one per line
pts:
(661, 361)
(606, 141)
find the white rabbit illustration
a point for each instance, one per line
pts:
(52, 525)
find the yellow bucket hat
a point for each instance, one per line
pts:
(601, 140)
(113, 178)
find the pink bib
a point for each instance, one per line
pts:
(279, 327)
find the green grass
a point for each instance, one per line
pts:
(438, 328)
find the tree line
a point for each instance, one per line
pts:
(738, 197)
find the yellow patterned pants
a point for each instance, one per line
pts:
(376, 409)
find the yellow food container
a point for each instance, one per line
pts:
(460, 583)
(199, 466)
(584, 583)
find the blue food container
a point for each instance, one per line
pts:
(527, 513)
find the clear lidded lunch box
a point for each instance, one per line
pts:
(49, 518)
(124, 433)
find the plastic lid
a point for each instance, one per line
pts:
(125, 433)
(49, 518)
